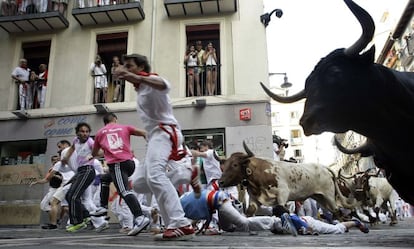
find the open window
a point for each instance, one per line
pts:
(205, 74)
(109, 46)
(36, 53)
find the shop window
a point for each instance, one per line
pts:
(36, 53)
(23, 152)
(110, 46)
(193, 138)
(203, 79)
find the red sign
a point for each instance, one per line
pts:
(245, 114)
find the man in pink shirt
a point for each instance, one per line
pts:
(114, 140)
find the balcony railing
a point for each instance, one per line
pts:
(31, 16)
(205, 75)
(88, 12)
(176, 8)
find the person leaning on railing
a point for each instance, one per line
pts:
(210, 58)
(191, 62)
(21, 75)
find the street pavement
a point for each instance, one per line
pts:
(380, 236)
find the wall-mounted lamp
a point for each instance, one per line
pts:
(265, 18)
(286, 84)
(22, 114)
(101, 108)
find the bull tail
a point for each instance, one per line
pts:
(346, 202)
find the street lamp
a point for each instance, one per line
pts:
(286, 84)
(265, 18)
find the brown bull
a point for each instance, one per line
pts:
(372, 191)
(273, 183)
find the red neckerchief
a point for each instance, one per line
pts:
(143, 73)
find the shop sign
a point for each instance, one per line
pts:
(245, 114)
(63, 126)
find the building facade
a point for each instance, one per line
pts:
(68, 38)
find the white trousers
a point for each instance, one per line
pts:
(87, 201)
(122, 212)
(45, 203)
(323, 227)
(153, 177)
(231, 219)
(41, 96)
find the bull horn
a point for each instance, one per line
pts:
(364, 150)
(248, 151)
(368, 28)
(286, 100)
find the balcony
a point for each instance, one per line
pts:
(108, 14)
(177, 8)
(46, 21)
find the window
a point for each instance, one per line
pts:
(294, 115)
(110, 45)
(296, 137)
(192, 138)
(23, 152)
(36, 53)
(276, 117)
(295, 134)
(203, 79)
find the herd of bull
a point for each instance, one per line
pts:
(272, 183)
(346, 91)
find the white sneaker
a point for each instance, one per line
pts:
(99, 212)
(102, 227)
(141, 222)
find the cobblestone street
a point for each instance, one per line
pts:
(380, 236)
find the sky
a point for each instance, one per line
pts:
(310, 29)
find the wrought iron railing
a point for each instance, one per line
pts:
(203, 74)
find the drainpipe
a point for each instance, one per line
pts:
(153, 27)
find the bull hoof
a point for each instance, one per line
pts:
(392, 223)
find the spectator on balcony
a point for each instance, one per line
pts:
(31, 90)
(191, 62)
(8, 8)
(210, 58)
(60, 5)
(41, 85)
(42, 5)
(21, 75)
(98, 70)
(200, 69)
(29, 7)
(118, 83)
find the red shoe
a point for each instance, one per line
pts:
(195, 181)
(181, 233)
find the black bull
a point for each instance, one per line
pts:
(348, 91)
